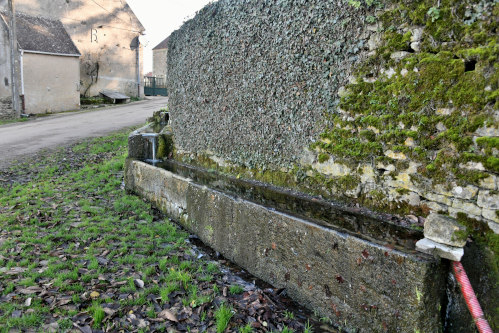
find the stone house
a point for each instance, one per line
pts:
(49, 65)
(159, 56)
(104, 32)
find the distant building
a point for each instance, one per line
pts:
(159, 56)
(49, 65)
(104, 32)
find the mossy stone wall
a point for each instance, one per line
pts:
(392, 105)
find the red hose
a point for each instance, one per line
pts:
(470, 298)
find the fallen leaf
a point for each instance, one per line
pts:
(31, 290)
(84, 329)
(139, 283)
(94, 294)
(166, 314)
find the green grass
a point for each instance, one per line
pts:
(289, 315)
(11, 121)
(246, 329)
(222, 317)
(235, 289)
(98, 314)
(67, 209)
(308, 328)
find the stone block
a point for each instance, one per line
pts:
(444, 111)
(438, 198)
(435, 207)
(375, 42)
(445, 230)
(444, 251)
(409, 142)
(368, 175)
(454, 211)
(395, 156)
(441, 127)
(403, 180)
(488, 200)
(472, 166)
(416, 46)
(466, 206)
(413, 168)
(494, 226)
(308, 157)
(489, 183)
(399, 55)
(416, 34)
(487, 131)
(490, 214)
(466, 193)
(388, 72)
(333, 169)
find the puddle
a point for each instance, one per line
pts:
(325, 213)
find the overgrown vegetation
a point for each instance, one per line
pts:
(431, 103)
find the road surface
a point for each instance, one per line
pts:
(23, 139)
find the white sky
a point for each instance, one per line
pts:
(161, 18)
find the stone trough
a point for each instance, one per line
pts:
(358, 270)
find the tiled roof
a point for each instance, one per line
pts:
(38, 34)
(163, 44)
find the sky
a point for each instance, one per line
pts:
(161, 18)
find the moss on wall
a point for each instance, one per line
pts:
(390, 104)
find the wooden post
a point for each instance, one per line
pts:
(14, 60)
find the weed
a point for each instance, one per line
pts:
(222, 317)
(289, 315)
(418, 294)
(308, 327)
(246, 329)
(235, 289)
(203, 316)
(98, 314)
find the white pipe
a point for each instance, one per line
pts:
(22, 73)
(138, 67)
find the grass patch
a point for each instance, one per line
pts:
(222, 317)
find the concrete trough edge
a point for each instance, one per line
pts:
(357, 284)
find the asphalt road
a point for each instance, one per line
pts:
(23, 139)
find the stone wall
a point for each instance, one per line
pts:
(6, 111)
(393, 106)
(400, 113)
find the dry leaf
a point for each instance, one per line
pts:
(166, 314)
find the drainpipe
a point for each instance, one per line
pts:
(23, 101)
(470, 298)
(138, 67)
